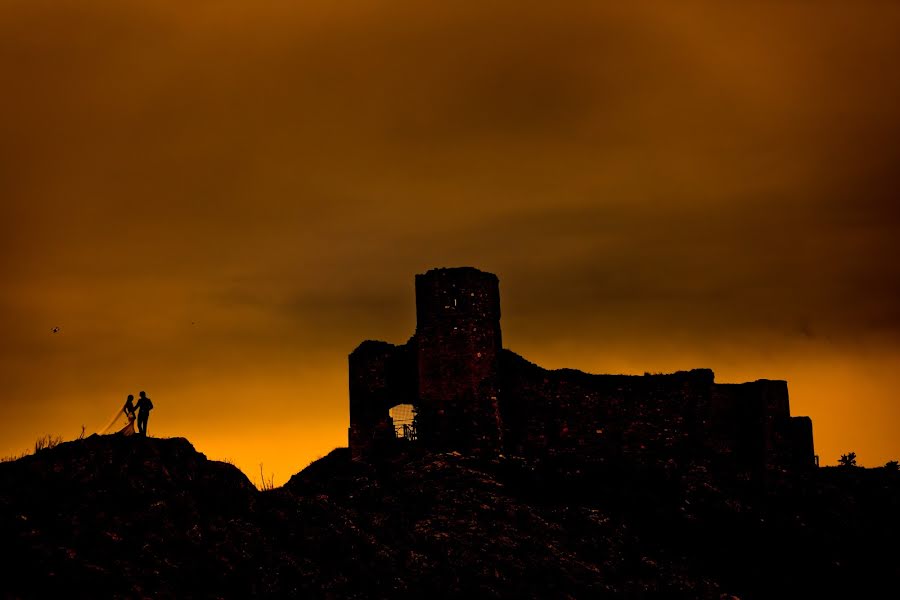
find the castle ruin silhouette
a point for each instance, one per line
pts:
(472, 395)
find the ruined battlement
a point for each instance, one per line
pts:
(471, 394)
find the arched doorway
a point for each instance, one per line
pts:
(404, 419)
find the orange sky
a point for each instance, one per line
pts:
(659, 186)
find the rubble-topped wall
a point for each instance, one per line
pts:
(472, 395)
(629, 416)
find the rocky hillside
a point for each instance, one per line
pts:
(132, 517)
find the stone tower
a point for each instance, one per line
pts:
(457, 347)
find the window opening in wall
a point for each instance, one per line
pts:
(404, 417)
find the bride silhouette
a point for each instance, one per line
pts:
(129, 412)
(130, 415)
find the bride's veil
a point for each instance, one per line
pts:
(112, 422)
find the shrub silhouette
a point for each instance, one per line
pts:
(266, 485)
(847, 460)
(891, 465)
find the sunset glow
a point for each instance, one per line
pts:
(216, 202)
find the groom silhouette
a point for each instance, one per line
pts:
(144, 406)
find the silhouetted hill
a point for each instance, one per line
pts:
(132, 517)
(122, 516)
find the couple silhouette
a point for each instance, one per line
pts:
(139, 411)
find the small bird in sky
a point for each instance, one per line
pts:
(55, 330)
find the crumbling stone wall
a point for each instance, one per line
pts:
(637, 417)
(802, 451)
(472, 395)
(382, 376)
